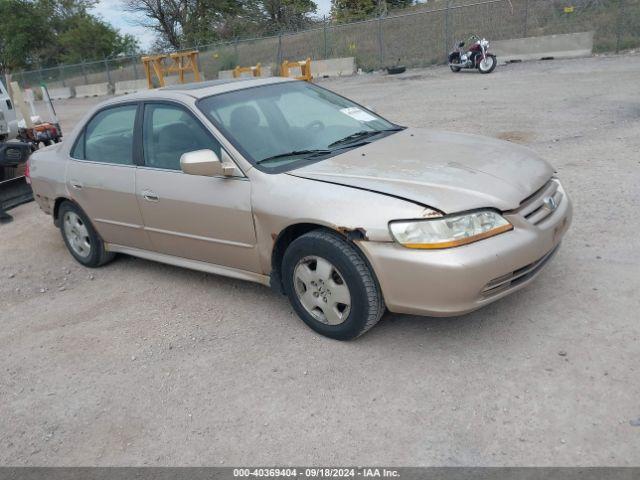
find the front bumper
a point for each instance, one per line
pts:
(462, 279)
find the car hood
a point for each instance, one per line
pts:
(451, 172)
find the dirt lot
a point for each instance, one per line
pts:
(145, 364)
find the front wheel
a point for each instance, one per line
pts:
(488, 64)
(331, 286)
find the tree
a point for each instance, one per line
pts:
(40, 33)
(392, 4)
(348, 10)
(23, 37)
(127, 44)
(289, 14)
(89, 38)
(187, 23)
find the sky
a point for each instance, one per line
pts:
(112, 12)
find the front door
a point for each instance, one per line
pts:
(101, 176)
(196, 217)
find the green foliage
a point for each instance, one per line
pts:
(190, 23)
(88, 38)
(399, 3)
(348, 10)
(23, 33)
(40, 33)
(288, 14)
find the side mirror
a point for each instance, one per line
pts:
(205, 163)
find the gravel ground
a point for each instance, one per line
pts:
(139, 363)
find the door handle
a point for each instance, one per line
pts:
(150, 196)
(76, 184)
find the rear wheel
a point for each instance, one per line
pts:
(488, 64)
(81, 239)
(331, 286)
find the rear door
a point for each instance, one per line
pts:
(101, 176)
(195, 217)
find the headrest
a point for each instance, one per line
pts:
(244, 117)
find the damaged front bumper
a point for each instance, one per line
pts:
(459, 280)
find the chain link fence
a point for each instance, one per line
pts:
(414, 38)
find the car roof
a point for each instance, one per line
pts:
(199, 90)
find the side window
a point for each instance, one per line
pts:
(109, 136)
(78, 148)
(169, 131)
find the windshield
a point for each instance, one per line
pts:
(286, 125)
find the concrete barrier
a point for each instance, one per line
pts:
(93, 90)
(61, 93)
(130, 86)
(265, 71)
(171, 80)
(568, 45)
(333, 67)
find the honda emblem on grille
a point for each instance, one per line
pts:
(550, 203)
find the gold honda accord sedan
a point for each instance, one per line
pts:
(290, 185)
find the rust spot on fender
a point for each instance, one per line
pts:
(357, 233)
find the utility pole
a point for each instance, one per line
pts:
(324, 25)
(106, 66)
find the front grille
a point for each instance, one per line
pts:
(512, 279)
(534, 209)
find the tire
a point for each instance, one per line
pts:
(349, 269)
(454, 57)
(396, 69)
(79, 235)
(494, 63)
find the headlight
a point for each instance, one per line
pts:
(450, 231)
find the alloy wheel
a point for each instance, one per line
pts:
(322, 290)
(486, 63)
(77, 234)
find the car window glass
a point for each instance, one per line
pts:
(109, 136)
(297, 109)
(169, 131)
(78, 148)
(225, 113)
(267, 123)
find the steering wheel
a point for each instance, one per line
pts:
(315, 125)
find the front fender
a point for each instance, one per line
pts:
(280, 201)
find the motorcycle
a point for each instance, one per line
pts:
(476, 57)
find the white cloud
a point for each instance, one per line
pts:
(324, 7)
(113, 12)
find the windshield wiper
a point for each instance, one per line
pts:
(360, 135)
(294, 153)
